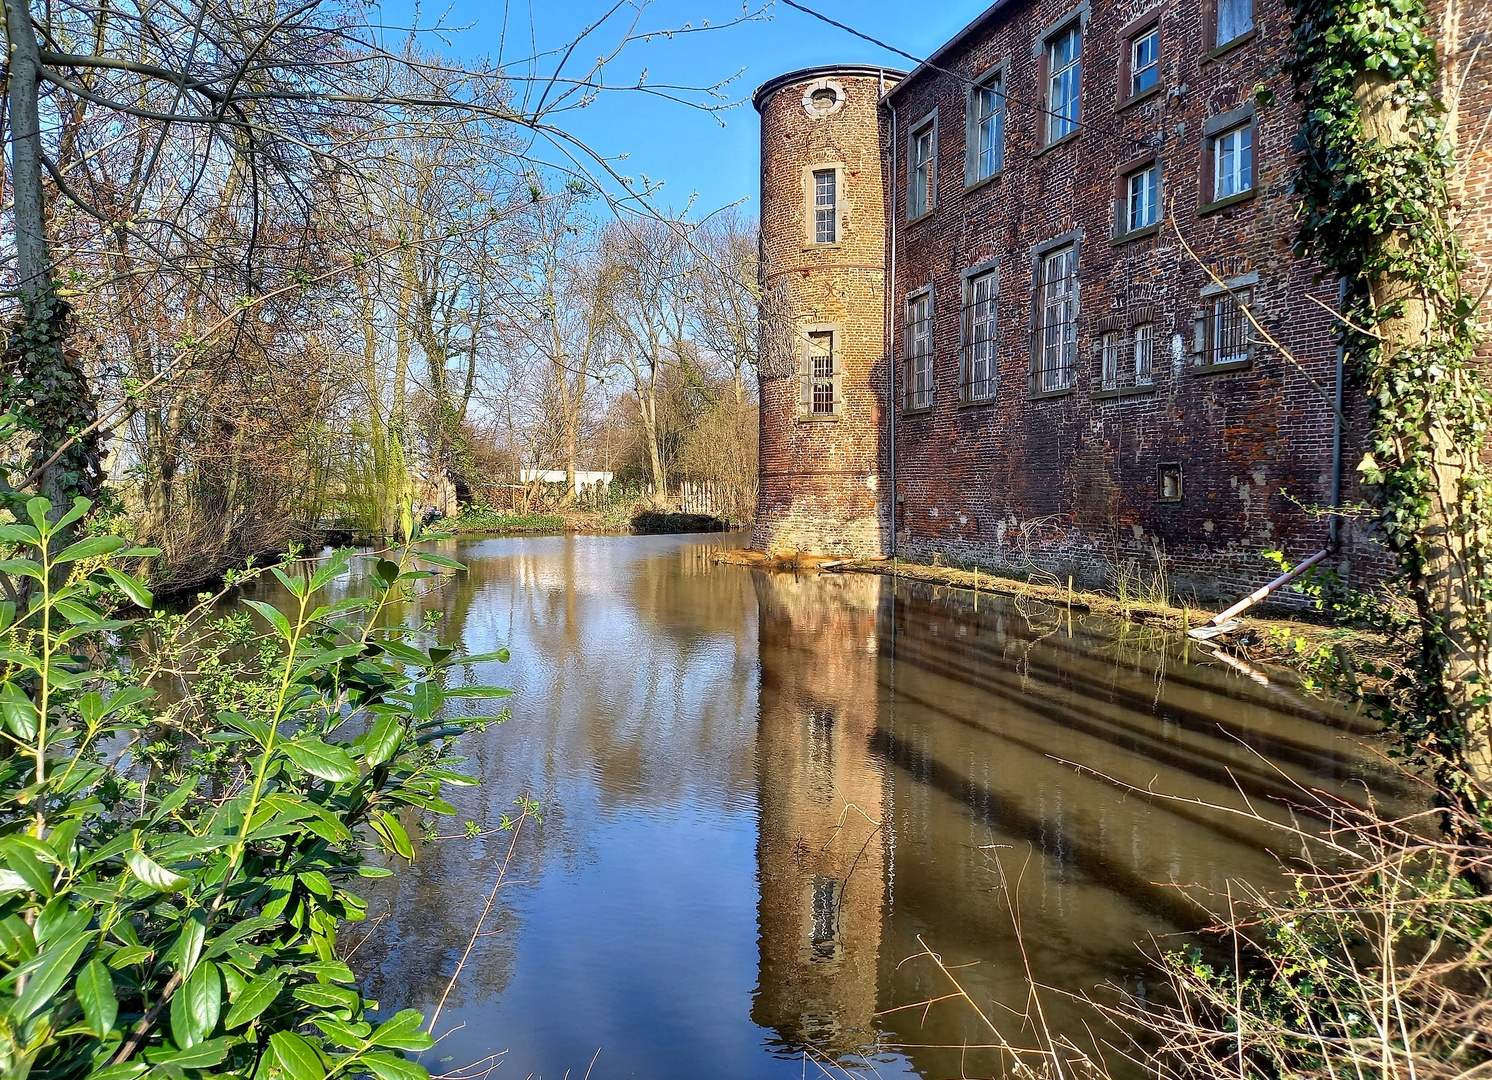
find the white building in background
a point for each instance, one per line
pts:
(584, 478)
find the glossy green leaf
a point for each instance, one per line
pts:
(56, 964)
(402, 1032)
(392, 833)
(382, 740)
(274, 615)
(388, 1066)
(321, 759)
(296, 1057)
(96, 995)
(89, 548)
(202, 1056)
(132, 587)
(196, 1006)
(153, 873)
(426, 700)
(257, 996)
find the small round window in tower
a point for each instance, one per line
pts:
(823, 98)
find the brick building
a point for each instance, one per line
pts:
(1075, 391)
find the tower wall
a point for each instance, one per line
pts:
(820, 484)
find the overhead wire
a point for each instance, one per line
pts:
(1005, 94)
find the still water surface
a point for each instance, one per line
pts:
(761, 792)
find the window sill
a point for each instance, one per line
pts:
(977, 403)
(1042, 395)
(1063, 141)
(1136, 234)
(918, 410)
(824, 247)
(1219, 369)
(986, 182)
(820, 418)
(922, 216)
(1223, 204)
(1123, 392)
(1228, 46)
(1134, 99)
(1167, 502)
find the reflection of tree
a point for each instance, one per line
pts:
(821, 856)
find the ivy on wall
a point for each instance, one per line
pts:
(1375, 165)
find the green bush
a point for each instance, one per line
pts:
(172, 876)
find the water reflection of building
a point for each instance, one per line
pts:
(822, 855)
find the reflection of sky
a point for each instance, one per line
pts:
(630, 926)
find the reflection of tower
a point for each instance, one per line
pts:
(823, 274)
(821, 861)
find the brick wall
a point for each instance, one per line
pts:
(1078, 471)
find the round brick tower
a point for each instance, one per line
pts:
(823, 278)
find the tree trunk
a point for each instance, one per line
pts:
(1448, 595)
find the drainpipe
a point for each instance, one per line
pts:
(1334, 528)
(891, 312)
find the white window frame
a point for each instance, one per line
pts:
(1136, 70)
(1237, 144)
(917, 333)
(826, 211)
(1062, 123)
(922, 175)
(820, 378)
(1132, 220)
(986, 134)
(980, 367)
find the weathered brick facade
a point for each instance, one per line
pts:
(819, 472)
(1088, 470)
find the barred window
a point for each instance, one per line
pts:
(917, 342)
(1057, 330)
(980, 362)
(1109, 376)
(1063, 74)
(821, 371)
(1145, 354)
(1227, 328)
(825, 222)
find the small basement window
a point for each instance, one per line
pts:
(1168, 478)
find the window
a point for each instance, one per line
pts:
(821, 372)
(1143, 194)
(1144, 354)
(986, 134)
(917, 344)
(824, 99)
(1234, 19)
(825, 221)
(980, 367)
(1144, 61)
(1227, 332)
(1062, 53)
(1109, 376)
(1233, 162)
(1168, 483)
(920, 165)
(1057, 325)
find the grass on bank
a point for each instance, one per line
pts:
(483, 519)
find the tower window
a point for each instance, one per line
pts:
(819, 395)
(824, 99)
(825, 207)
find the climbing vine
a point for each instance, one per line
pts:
(1376, 162)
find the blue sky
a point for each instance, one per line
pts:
(689, 150)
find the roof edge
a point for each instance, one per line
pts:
(771, 86)
(948, 46)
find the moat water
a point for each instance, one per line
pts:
(764, 797)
